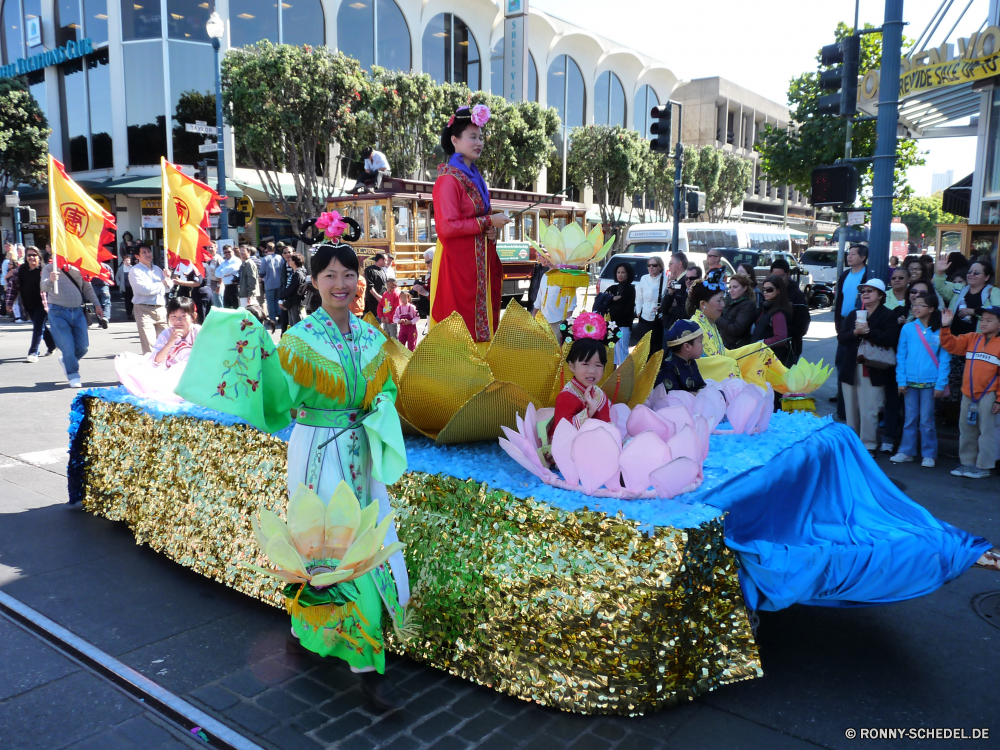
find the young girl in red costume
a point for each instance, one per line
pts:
(582, 398)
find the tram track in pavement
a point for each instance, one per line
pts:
(192, 722)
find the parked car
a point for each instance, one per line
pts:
(821, 263)
(638, 261)
(762, 260)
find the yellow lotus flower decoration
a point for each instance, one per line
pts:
(570, 246)
(323, 545)
(801, 379)
(452, 393)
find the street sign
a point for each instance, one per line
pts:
(245, 204)
(200, 127)
(13, 199)
(207, 148)
(855, 218)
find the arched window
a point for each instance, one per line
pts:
(451, 54)
(609, 100)
(645, 100)
(287, 22)
(496, 73)
(357, 22)
(566, 92)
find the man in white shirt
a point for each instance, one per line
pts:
(149, 297)
(376, 167)
(214, 283)
(229, 273)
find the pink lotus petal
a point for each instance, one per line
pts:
(657, 398)
(702, 428)
(685, 443)
(741, 409)
(766, 414)
(595, 456)
(530, 430)
(680, 398)
(562, 445)
(671, 478)
(642, 419)
(731, 388)
(513, 452)
(619, 417)
(711, 404)
(679, 416)
(642, 453)
(597, 424)
(523, 444)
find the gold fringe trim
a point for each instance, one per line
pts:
(375, 373)
(312, 370)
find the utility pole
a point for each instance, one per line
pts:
(885, 149)
(678, 187)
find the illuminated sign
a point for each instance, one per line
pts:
(56, 56)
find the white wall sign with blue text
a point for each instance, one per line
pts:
(515, 51)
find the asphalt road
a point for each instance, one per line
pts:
(927, 663)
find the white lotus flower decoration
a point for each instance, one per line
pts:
(570, 247)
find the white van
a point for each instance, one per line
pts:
(700, 237)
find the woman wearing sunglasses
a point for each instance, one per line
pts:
(648, 298)
(771, 327)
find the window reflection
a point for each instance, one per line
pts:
(376, 222)
(566, 91)
(69, 26)
(251, 21)
(146, 120)
(95, 20)
(32, 9)
(99, 85)
(74, 115)
(36, 84)
(192, 97)
(186, 20)
(609, 100)
(13, 33)
(450, 52)
(356, 31)
(393, 37)
(302, 22)
(496, 73)
(645, 100)
(140, 19)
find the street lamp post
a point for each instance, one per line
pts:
(216, 27)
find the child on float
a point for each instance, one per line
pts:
(976, 423)
(922, 369)
(406, 318)
(582, 398)
(155, 375)
(679, 371)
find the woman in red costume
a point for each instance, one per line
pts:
(467, 275)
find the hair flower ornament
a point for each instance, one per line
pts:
(480, 115)
(332, 224)
(589, 325)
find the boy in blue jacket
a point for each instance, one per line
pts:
(922, 368)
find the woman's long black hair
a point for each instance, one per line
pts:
(462, 120)
(781, 302)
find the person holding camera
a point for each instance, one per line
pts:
(676, 293)
(648, 299)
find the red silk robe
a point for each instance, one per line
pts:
(571, 406)
(467, 274)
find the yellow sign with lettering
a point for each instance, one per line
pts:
(245, 204)
(103, 203)
(950, 73)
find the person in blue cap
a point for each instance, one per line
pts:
(679, 371)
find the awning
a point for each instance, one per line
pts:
(957, 198)
(134, 185)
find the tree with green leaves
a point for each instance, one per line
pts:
(192, 106)
(24, 137)
(289, 107)
(730, 188)
(788, 156)
(922, 214)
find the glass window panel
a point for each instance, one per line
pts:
(557, 87)
(376, 223)
(466, 55)
(140, 19)
(186, 20)
(74, 111)
(13, 33)
(402, 224)
(251, 21)
(577, 95)
(356, 212)
(146, 120)
(616, 115)
(356, 31)
(437, 63)
(99, 85)
(33, 10)
(496, 68)
(393, 37)
(36, 84)
(302, 22)
(192, 97)
(95, 20)
(601, 96)
(70, 24)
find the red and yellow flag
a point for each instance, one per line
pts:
(79, 227)
(187, 204)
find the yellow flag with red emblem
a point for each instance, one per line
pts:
(187, 205)
(78, 226)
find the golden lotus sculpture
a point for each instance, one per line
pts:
(452, 393)
(569, 246)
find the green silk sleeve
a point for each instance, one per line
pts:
(385, 436)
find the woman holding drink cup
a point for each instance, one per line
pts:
(864, 383)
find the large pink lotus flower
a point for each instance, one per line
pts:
(590, 325)
(331, 223)
(748, 407)
(640, 454)
(480, 114)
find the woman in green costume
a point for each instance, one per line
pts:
(334, 380)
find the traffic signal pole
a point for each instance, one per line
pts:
(885, 149)
(842, 247)
(678, 188)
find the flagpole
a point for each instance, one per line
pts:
(54, 225)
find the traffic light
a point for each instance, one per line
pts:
(695, 200)
(835, 185)
(237, 218)
(845, 55)
(201, 173)
(660, 128)
(30, 216)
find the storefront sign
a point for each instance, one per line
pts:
(152, 214)
(245, 204)
(513, 251)
(515, 50)
(56, 56)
